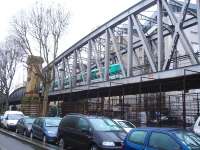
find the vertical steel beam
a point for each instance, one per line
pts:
(62, 73)
(144, 42)
(97, 58)
(198, 17)
(117, 50)
(58, 76)
(136, 58)
(130, 47)
(81, 64)
(161, 51)
(69, 73)
(89, 62)
(107, 56)
(74, 75)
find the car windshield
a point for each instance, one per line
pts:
(189, 138)
(126, 124)
(15, 116)
(104, 124)
(29, 120)
(53, 122)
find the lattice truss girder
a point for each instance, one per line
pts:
(134, 41)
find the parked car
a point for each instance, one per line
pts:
(83, 132)
(45, 128)
(11, 118)
(161, 139)
(196, 127)
(24, 125)
(1, 118)
(126, 125)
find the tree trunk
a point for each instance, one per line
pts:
(7, 100)
(45, 100)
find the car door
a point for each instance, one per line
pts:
(41, 128)
(83, 135)
(20, 125)
(162, 141)
(67, 130)
(35, 127)
(4, 120)
(136, 140)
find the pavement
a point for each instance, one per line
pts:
(12, 141)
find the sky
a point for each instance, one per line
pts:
(85, 16)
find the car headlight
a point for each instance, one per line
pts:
(107, 143)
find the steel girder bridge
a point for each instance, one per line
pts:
(128, 54)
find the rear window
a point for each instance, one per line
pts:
(189, 138)
(15, 116)
(104, 124)
(52, 122)
(137, 137)
(29, 120)
(69, 122)
(126, 124)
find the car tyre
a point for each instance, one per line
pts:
(94, 147)
(61, 144)
(31, 135)
(44, 139)
(24, 133)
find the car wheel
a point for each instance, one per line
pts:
(61, 144)
(24, 133)
(94, 147)
(44, 139)
(31, 135)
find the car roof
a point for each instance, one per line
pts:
(49, 118)
(158, 129)
(86, 116)
(13, 112)
(120, 120)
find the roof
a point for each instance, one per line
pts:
(13, 112)
(158, 129)
(86, 116)
(119, 120)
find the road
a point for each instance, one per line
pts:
(9, 143)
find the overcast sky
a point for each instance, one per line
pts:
(86, 15)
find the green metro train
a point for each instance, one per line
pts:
(114, 73)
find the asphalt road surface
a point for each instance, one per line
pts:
(9, 143)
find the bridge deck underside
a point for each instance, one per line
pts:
(176, 83)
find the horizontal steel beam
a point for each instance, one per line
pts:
(169, 74)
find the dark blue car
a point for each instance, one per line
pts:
(161, 139)
(45, 128)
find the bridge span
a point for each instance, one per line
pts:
(134, 49)
(152, 47)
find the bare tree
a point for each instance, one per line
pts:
(10, 55)
(43, 26)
